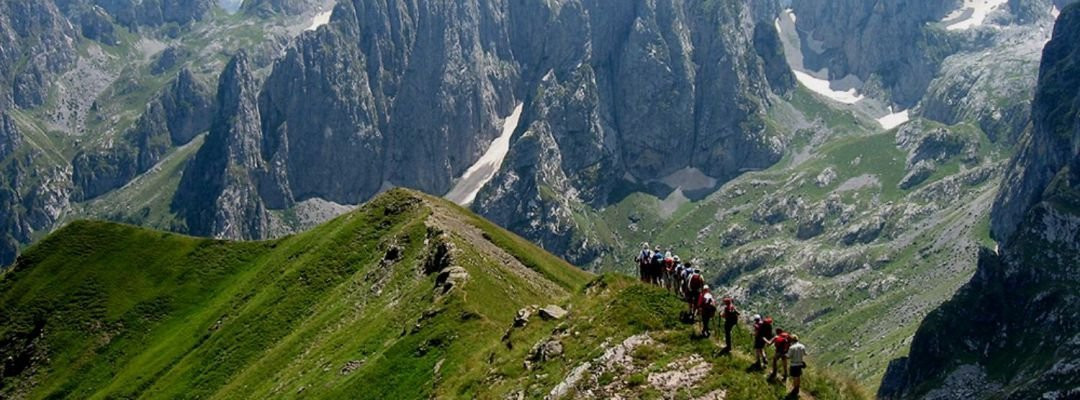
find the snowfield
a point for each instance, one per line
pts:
(972, 14)
(320, 19)
(480, 173)
(894, 120)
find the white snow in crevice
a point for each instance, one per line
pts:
(973, 13)
(844, 90)
(480, 173)
(895, 119)
(824, 88)
(320, 19)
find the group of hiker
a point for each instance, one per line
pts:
(661, 267)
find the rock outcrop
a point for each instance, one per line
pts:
(36, 42)
(227, 186)
(10, 138)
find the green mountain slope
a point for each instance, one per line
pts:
(407, 297)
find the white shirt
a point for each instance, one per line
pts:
(796, 354)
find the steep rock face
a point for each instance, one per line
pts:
(632, 93)
(411, 93)
(1021, 342)
(992, 89)
(9, 135)
(135, 13)
(223, 189)
(36, 42)
(175, 116)
(401, 92)
(886, 43)
(32, 197)
(181, 112)
(1052, 143)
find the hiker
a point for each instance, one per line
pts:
(684, 280)
(644, 259)
(677, 279)
(697, 282)
(797, 355)
(731, 318)
(669, 272)
(780, 342)
(707, 305)
(656, 266)
(762, 333)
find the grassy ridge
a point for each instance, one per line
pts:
(356, 308)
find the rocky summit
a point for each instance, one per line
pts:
(892, 179)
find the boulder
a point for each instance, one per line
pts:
(551, 312)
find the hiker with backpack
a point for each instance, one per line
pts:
(644, 258)
(763, 332)
(656, 266)
(707, 305)
(669, 272)
(797, 356)
(731, 318)
(780, 342)
(696, 284)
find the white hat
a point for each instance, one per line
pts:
(757, 317)
(706, 287)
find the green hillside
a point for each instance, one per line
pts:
(407, 297)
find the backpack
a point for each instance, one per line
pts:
(645, 256)
(781, 343)
(766, 330)
(696, 282)
(709, 305)
(658, 258)
(730, 313)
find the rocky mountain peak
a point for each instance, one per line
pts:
(223, 190)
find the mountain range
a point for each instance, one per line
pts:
(869, 170)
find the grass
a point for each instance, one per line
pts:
(119, 311)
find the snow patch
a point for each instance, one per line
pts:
(480, 173)
(1055, 12)
(844, 90)
(973, 13)
(320, 19)
(894, 120)
(824, 88)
